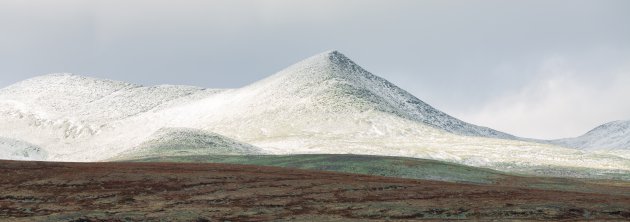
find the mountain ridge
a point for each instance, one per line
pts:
(613, 135)
(343, 77)
(323, 104)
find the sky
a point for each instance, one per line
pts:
(536, 68)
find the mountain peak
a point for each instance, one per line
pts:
(331, 52)
(334, 57)
(325, 65)
(334, 54)
(331, 82)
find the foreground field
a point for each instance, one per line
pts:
(412, 168)
(205, 191)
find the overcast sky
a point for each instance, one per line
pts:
(542, 69)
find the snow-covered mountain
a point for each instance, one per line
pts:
(323, 104)
(83, 105)
(610, 136)
(332, 83)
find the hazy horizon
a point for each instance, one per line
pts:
(538, 69)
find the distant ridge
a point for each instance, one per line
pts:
(84, 105)
(612, 135)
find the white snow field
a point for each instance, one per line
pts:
(324, 104)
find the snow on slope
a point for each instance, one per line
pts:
(327, 104)
(612, 136)
(331, 83)
(20, 150)
(82, 105)
(58, 111)
(187, 142)
(324, 104)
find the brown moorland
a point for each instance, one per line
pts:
(48, 191)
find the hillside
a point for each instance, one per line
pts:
(331, 83)
(401, 167)
(412, 168)
(610, 136)
(66, 113)
(84, 105)
(325, 104)
(175, 142)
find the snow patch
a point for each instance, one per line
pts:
(12, 149)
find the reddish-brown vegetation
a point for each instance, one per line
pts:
(207, 192)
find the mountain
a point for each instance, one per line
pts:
(610, 136)
(325, 104)
(85, 104)
(66, 113)
(332, 83)
(324, 95)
